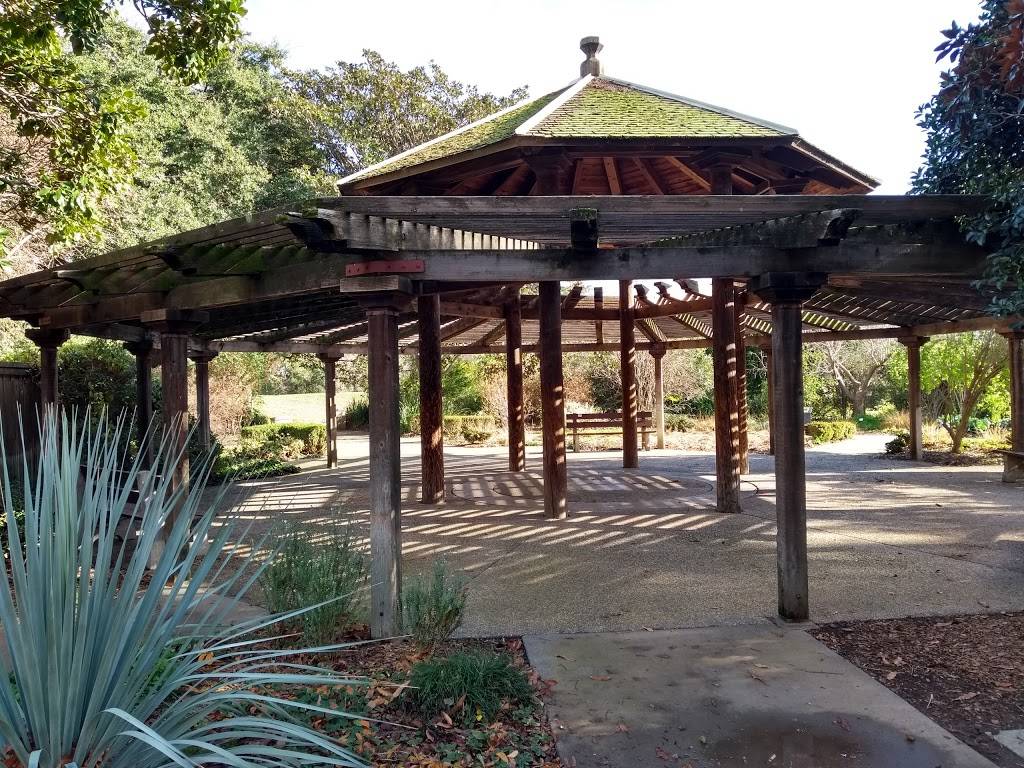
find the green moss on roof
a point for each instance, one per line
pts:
(492, 130)
(609, 110)
(604, 108)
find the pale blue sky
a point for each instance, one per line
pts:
(848, 76)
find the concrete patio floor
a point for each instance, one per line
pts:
(644, 549)
(729, 696)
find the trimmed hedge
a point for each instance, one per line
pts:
(313, 437)
(830, 431)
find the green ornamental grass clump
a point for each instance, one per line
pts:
(481, 682)
(433, 606)
(313, 567)
(124, 652)
(830, 431)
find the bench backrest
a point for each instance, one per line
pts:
(606, 419)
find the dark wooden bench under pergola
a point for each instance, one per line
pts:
(429, 253)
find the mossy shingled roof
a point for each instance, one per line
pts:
(592, 108)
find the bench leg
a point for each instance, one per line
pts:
(645, 438)
(575, 440)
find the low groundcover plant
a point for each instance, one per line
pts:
(122, 652)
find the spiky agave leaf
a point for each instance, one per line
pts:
(109, 667)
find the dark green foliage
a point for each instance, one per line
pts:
(97, 374)
(357, 414)
(471, 429)
(869, 422)
(830, 431)
(975, 138)
(434, 605)
(704, 405)
(313, 437)
(484, 683)
(314, 566)
(292, 375)
(240, 465)
(899, 444)
(460, 391)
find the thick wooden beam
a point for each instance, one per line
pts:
(727, 460)
(913, 346)
(431, 407)
(49, 342)
(785, 292)
(143, 352)
(385, 473)
(174, 399)
(552, 393)
(659, 395)
(330, 360)
(627, 373)
(1015, 340)
(742, 414)
(771, 399)
(514, 382)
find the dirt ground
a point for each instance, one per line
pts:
(964, 672)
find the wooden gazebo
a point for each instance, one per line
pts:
(427, 253)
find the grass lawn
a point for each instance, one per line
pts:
(304, 407)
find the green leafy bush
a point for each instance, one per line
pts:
(678, 422)
(296, 438)
(471, 428)
(830, 431)
(357, 414)
(434, 605)
(132, 705)
(483, 681)
(313, 567)
(899, 444)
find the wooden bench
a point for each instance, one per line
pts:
(608, 423)
(1013, 466)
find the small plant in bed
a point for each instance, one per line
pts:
(478, 683)
(316, 567)
(434, 605)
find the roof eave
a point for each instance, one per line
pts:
(810, 150)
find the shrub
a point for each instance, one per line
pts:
(434, 606)
(295, 438)
(830, 431)
(131, 704)
(483, 682)
(357, 414)
(311, 568)
(899, 444)
(678, 422)
(473, 429)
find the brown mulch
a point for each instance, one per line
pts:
(393, 734)
(964, 672)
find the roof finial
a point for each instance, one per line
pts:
(592, 66)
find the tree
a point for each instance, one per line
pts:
(364, 112)
(975, 137)
(62, 145)
(856, 367)
(961, 368)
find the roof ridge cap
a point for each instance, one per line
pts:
(704, 105)
(541, 115)
(355, 175)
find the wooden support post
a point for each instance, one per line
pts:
(431, 407)
(771, 400)
(49, 342)
(1016, 363)
(174, 328)
(202, 363)
(727, 456)
(913, 346)
(552, 400)
(143, 352)
(785, 292)
(627, 372)
(330, 361)
(514, 379)
(741, 391)
(385, 469)
(658, 353)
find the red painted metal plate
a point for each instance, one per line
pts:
(381, 267)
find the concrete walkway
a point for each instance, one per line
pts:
(733, 696)
(645, 549)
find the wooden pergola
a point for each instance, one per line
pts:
(427, 254)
